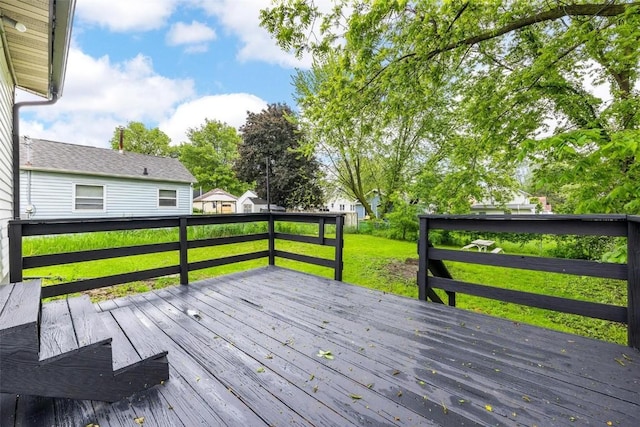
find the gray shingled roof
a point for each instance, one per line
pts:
(40, 154)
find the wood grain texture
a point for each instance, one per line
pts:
(87, 325)
(22, 305)
(57, 335)
(123, 353)
(250, 357)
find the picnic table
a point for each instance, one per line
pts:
(481, 244)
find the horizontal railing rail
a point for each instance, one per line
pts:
(18, 229)
(432, 259)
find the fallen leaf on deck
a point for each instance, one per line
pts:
(139, 420)
(626, 357)
(355, 396)
(488, 408)
(325, 354)
(260, 370)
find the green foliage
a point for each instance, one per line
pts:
(271, 136)
(138, 139)
(457, 95)
(210, 155)
(403, 221)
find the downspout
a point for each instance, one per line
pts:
(16, 147)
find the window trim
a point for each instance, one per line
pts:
(175, 190)
(75, 196)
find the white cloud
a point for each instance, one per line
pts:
(229, 108)
(99, 95)
(126, 15)
(195, 34)
(241, 18)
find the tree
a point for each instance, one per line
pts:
(502, 71)
(210, 155)
(138, 139)
(272, 137)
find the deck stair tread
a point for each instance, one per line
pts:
(138, 333)
(19, 305)
(66, 348)
(87, 325)
(124, 354)
(57, 335)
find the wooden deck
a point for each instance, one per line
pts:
(244, 351)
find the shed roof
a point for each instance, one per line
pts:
(43, 155)
(215, 192)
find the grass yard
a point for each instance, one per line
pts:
(374, 262)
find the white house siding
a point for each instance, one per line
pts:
(6, 162)
(124, 197)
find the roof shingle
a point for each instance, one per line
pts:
(40, 154)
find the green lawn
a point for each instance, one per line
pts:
(369, 261)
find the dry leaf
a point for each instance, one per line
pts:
(488, 408)
(139, 420)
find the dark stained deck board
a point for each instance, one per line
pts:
(88, 328)
(21, 306)
(57, 335)
(553, 367)
(122, 351)
(335, 380)
(437, 319)
(236, 370)
(196, 394)
(458, 387)
(138, 334)
(303, 371)
(7, 409)
(278, 320)
(5, 291)
(35, 411)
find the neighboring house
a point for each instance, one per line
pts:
(249, 202)
(216, 201)
(35, 61)
(340, 203)
(373, 197)
(520, 203)
(60, 180)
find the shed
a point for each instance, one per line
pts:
(61, 180)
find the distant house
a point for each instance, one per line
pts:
(249, 202)
(340, 203)
(520, 203)
(216, 201)
(60, 180)
(373, 197)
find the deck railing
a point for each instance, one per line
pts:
(432, 258)
(18, 229)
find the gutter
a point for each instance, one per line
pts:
(16, 147)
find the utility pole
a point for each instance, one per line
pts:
(268, 191)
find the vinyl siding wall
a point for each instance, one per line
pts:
(52, 194)
(6, 163)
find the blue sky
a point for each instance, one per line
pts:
(167, 63)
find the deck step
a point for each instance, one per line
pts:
(82, 354)
(19, 311)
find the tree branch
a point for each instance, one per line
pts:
(549, 15)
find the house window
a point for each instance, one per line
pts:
(88, 197)
(246, 208)
(341, 208)
(352, 208)
(168, 198)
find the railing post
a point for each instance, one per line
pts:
(633, 282)
(337, 272)
(184, 252)
(321, 231)
(15, 252)
(423, 260)
(272, 241)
